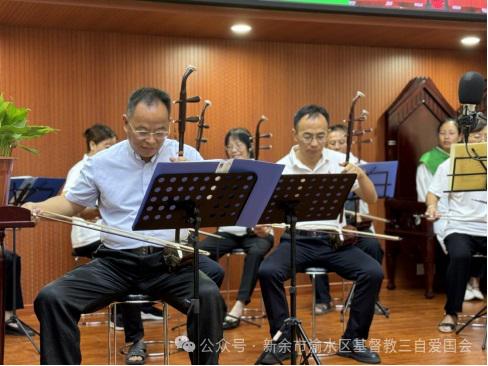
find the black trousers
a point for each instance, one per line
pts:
(256, 248)
(111, 275)
(131, 313)
(370, 246)
(460, 249)
(9, 258)
(351, 263)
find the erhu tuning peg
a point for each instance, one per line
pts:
(193, 119)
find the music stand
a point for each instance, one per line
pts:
(291, 202)
(33, 189)
(383, 176)
(182, 200)
(468, 174)
(467, 171)
(28, 189)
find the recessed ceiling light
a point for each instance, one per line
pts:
(241, 28)
(470, 41)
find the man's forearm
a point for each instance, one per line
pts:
(58, 204)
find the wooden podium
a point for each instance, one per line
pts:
(10, 218)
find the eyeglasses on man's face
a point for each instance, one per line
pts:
(144, 134)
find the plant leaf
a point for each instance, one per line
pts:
(29, 149)
(27, 132)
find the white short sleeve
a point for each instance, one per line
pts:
(84, 191)
(423, 180)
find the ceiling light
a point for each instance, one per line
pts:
(470, 41)
(241, 28)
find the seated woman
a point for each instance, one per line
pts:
(256, 242)
(464, 232)
(448, 133)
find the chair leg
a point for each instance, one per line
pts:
(115, 334)
(109, 345)
(165, 334)
(314, 301)
(227, 271)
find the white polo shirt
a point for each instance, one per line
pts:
(468, 208)
(329, 163)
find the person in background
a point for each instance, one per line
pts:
(464, 232)
(11, 326)
(448, 133)
(256, 242)
(337, 141)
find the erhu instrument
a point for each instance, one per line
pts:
(183, 119)
(182, 104)
(202, 125)
(350, 133)
(258, 136)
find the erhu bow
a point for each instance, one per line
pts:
(258, 136)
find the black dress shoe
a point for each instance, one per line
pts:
(231, 323)
(356, 350)
(275, 353)
(323, 308)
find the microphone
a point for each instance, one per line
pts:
(471, 87)
(470, 91)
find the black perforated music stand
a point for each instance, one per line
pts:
(304, 197)
(178, 201)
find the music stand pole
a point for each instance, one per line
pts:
(182, 200)
(195, 219)
(292, 220)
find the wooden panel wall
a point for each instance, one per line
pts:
(71, 79)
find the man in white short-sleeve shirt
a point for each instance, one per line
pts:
(313, 249)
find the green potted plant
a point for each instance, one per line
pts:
(13, 129)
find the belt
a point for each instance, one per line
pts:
(310, 234)
(144, 250)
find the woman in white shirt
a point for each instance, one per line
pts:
(448, 133)
(464, 232)
(257, 242)
(85, 241)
